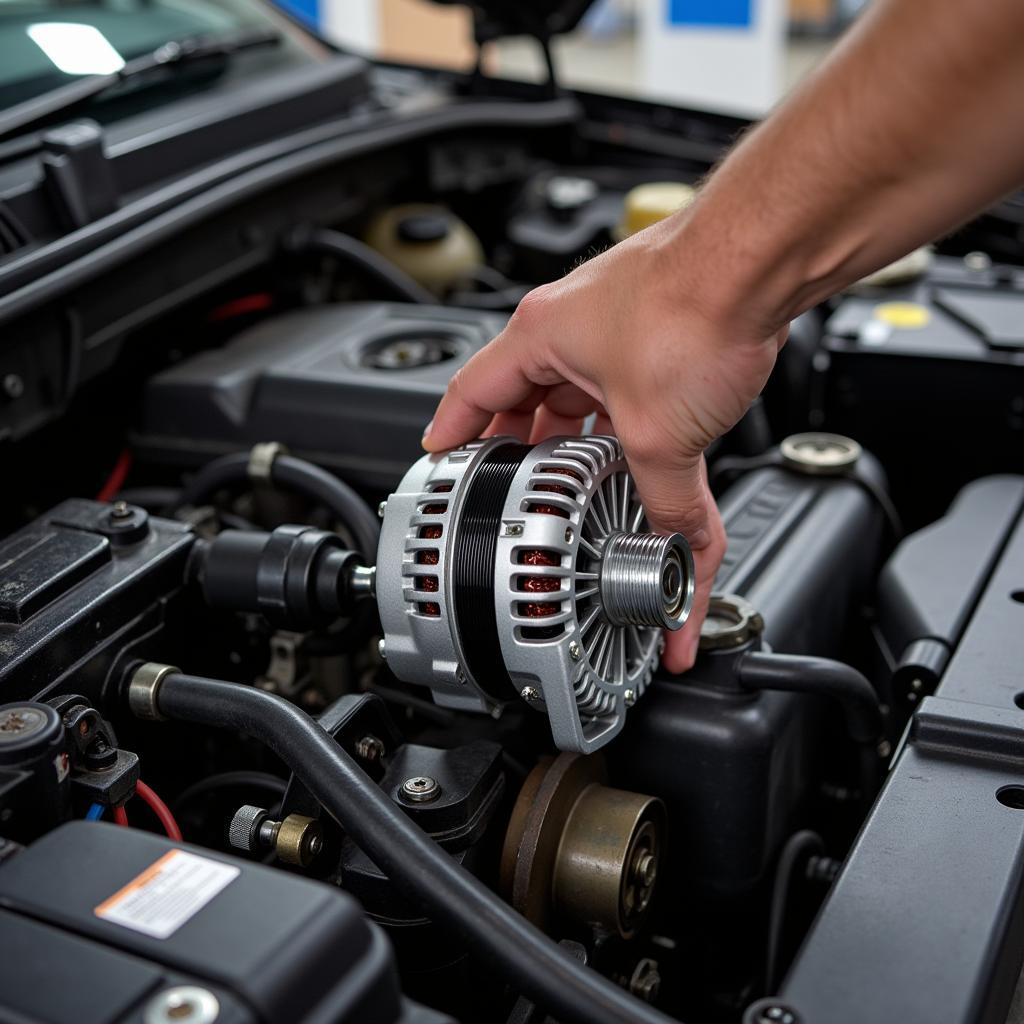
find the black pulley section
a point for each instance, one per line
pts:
(473, 568)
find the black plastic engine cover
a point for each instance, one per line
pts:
(270, 947)
(350, 387)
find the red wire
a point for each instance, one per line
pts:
(117, 477)
(160, 809)
(120, 816)
(241, 306)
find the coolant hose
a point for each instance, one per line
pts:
(358, 254)
(453, 897)
(292, 474)
(862, 712)
(760, 670)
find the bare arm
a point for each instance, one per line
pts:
(914, 123)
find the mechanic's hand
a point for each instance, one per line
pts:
(628, 336)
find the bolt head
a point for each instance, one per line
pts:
(513, 529)
(569, 535)
(629, 696)
(382, 649)
(421, 789)
(120, 510)
(530, 694)
(382, 509)
(575, 651)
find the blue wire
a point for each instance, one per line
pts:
(95, 812)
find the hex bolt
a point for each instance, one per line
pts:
(382, 649)
(421, 789)
(370, 748)
(513, 529)
(530, 694)
(120, 510)
(574, 651)
(629, 696)
(569, 535)
(382, 509)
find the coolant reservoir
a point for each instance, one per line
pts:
(647, 204)
(428, 242)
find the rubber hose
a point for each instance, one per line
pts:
(232, 471)
(448, 893)
(367, 259)
(797, 673)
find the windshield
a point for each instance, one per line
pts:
(44, 45)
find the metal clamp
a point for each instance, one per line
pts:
(142, 690)
(262, 457)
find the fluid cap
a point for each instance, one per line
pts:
(820, 454)
(732, 621)
(647, 204)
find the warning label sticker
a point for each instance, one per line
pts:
(160, 900)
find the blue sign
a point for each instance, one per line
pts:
(305, 10)
(711, 13)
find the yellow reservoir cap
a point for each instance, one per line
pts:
(647, 204)
(906, 316)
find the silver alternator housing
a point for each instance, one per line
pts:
(528, 570)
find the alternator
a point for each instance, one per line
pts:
(527, 571)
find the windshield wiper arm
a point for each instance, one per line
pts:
(173, 54)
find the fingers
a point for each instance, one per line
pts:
(514, 424)
(676, 497)
(563, 411)
(492, 382)
(603, 424)
(681, 646)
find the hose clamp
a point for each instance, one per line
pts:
(143, 689)
(261, 460)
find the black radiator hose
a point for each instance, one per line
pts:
(761, 670)
(797, 673)
(361, 256)
(291, 474)
(453, 897)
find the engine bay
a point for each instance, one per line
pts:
(388, 731)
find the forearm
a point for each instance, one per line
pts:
(915, 124)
